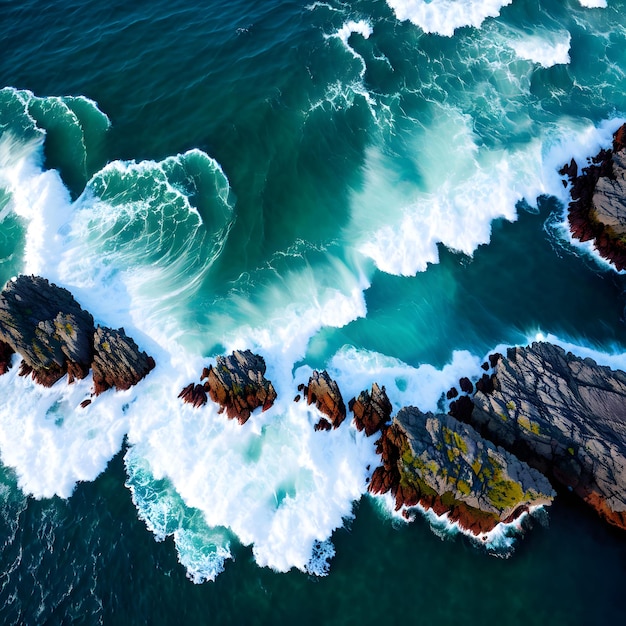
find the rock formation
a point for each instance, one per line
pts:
(237, 383)
(440, 463)
(371, 411)
(324, 392)
(565, 416)
(117, 363)
(48, 328)
(598, 208)
(45, 325)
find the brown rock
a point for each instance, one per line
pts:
(324, 392)
(371, 411)
(6, 352)
(194, 395)
(237, 383)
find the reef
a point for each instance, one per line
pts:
(597, 211)
(324, 392)
(55, 336)
(237, 383)
(444, 465)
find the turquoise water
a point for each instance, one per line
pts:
(370, 187)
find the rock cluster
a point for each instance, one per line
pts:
(237, 383)
(371, 411)
(440, 463)
(598, 208)
(324, 392)
(565, 416)
(45, 325)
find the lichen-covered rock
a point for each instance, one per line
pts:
(371, 411)
(238, 384)
(440, 463)
(45, 325)
(117, 363)
(565, 416)
(324, 392)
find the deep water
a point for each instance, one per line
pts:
(370, 187)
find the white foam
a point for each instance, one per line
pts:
(546, 49)
(278, 485)
(593, 4)
(50, 441)
(464, 189)
(423, 386)
(445, 16)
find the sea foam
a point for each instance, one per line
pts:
(443, 17)
(546, 49)
(464, 189)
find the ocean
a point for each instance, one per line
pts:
(370, 187)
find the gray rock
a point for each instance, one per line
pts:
(565, 416)
(47, 327)
(609, 198)
(117, 361)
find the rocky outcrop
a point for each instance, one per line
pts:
(565, 416)
(444, 465)
(45, 325)
(324, 392)
(237, 383)
(371, 411)
(48, 328)
(598, 208)
(117, 363)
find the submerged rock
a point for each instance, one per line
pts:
(371, 411)
(324, 392)
(440, 463)
(598, 208)
(565, 416)
(238, 384)
(45, 325)
(117, 361)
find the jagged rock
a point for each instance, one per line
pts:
(6, 352)
(324, 392)
(237, 383)
(598, 208)
(371, 411)
(440, 463)
(194, 395)
(45, 325)
(565, 416)
(117, 360)
(452, 393)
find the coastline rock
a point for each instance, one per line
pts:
(117, 361)
(371, 411)
(565, 416)
(45, 325)
(237, 383)
(6, 353)
(444, 465)
(324, 392)
(194, 394)
(598, 207)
